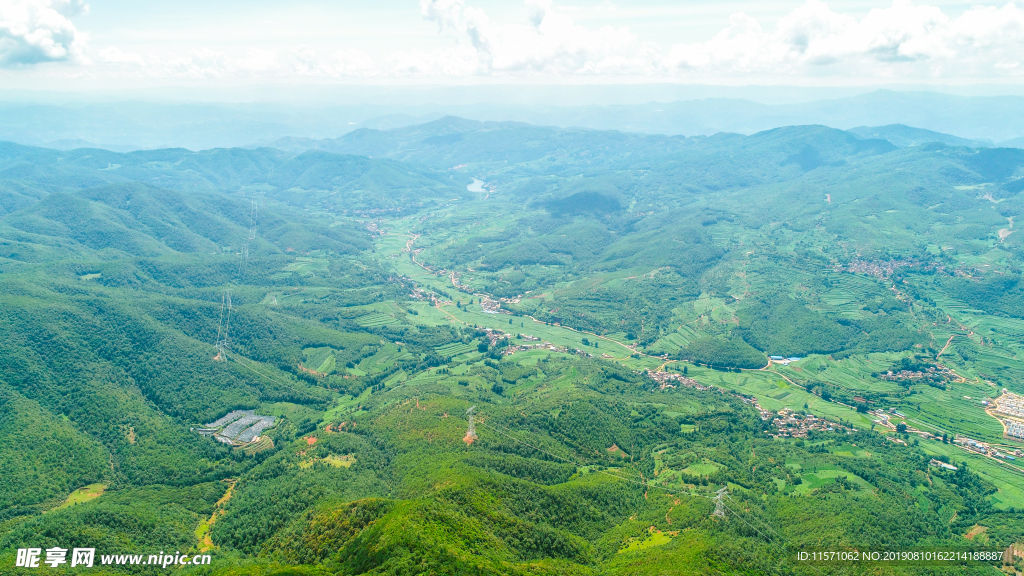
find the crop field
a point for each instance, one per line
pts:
(957, 409)
(852, 373)
(705, 468)
(306, 266)
(850, 451)
(812, 480)
(1009, 482)
(264, 444)
(82, 495)
(671, 343)
(774, 393)
(332, 460)
(375, 320)
(318, 358)
(456, 348)
(290, 410)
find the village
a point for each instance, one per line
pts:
(932, 373)
(791, 424)
(1009, 409)
(986, 449)
(787, 423)
(887, 420)
(668, 380)
(880, 269)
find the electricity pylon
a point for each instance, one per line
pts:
(223, 329)
(719, 505)
(243, 256)
(471, 430)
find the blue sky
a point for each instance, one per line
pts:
(82, 44)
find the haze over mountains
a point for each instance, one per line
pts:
(125, 126)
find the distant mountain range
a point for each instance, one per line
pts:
(125, 126)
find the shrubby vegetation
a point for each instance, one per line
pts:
(710, 251)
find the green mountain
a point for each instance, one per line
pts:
(497, 348)
(352, 183)
(903, 136)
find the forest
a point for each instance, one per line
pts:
(496, 348)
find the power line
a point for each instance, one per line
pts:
(224, 327)
(243, 255)
(471, 430)
(239, 358)
(719, 505)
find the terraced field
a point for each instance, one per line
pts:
(456, 349)
(375, 320)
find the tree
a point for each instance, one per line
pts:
(901, 428)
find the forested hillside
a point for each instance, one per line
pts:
(496, 348)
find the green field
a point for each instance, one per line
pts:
(83, 495)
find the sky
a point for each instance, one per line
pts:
(103, 44)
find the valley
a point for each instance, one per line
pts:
(606, 303)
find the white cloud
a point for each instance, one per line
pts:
(116, 56)
(903, 41)
(35, 31)
(549, 42)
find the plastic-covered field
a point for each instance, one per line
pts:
(229, 417)
(253, 431)
(237, 426)
(240, 426)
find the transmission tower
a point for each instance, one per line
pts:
(719, 505)
(243, 256)
(471, 430)
(223, 329)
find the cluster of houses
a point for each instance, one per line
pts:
(884, 419)
(1014, 428)
(536, 346)
(421, 294)
(1010, 410)
(793, 425)
(492, 306)
(985, 449)
(878, 268)
(940, 464)
(1010, 404)
(782, 359)
(494, 336)
(937, 372)
(672, 379)
(374, 228)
